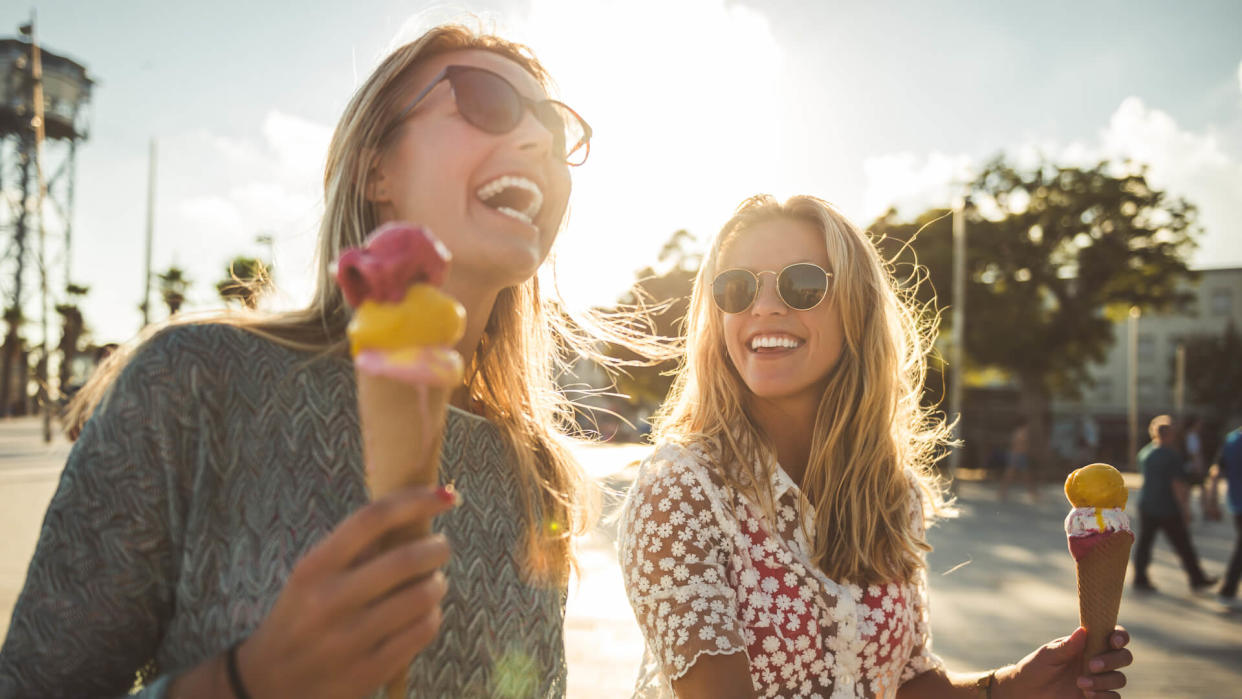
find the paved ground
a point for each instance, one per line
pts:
(1002, 583)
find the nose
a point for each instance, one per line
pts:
(767, 299)
(532, 136)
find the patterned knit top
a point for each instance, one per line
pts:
(216, 461)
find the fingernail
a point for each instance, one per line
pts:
(448, 494)
(1084, 683)
(1097, 665)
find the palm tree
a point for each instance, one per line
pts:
(246, 280)
(173, 287)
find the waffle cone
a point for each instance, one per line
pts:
(1101, 580)
(402, 424)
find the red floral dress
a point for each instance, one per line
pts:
(707, 575)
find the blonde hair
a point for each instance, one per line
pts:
(511, 377)
(870, 425)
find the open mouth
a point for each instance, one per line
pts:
(773, 343)
(514, 196)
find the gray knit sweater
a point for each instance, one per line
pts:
(217, 460)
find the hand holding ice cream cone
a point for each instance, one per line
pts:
(401, 336)
(1099, 537)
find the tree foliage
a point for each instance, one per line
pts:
(245, 281)
(1053, 253)
(667, 294)
(173, 287)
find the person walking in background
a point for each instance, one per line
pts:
(1228, 466)
(1018, 465)
(1196, 466)
(1164, 506)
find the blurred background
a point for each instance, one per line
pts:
(1065, 180)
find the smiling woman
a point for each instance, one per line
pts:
(212, 531)
(773, 544)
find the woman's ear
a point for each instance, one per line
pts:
(377, 182)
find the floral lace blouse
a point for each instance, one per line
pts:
(706, 576)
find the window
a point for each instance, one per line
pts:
(1222, 301)
(1146, 347)
(1104, 390)
(1146, 387)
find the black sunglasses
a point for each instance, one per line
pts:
(801, 286)
(489, 102)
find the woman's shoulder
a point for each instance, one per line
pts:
(212, 348)
(684, 461)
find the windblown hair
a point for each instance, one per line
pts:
(511, 377)
(870, 426)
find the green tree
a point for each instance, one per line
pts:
(667, 295)
(173, 287)
(1055, 254)
(246, 280)
(1214, 372)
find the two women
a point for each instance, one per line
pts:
(202, 535)
(773, 544)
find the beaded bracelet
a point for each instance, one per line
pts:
(235, 680)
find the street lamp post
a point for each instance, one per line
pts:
(959, 331)
(1132, 384)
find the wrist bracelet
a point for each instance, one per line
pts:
(235, 680)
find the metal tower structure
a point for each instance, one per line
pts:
(38, 156)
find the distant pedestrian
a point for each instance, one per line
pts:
(1196, 459)
(1018, 465)
(1229, 467)
(1164, 506)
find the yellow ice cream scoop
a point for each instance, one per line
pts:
(425, 316)
(1097, 485)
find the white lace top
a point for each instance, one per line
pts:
(706, 576)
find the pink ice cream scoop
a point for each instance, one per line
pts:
(396, 256)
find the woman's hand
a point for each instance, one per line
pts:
(346, 621)
(1055, 670)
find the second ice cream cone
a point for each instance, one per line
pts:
(1101, 581)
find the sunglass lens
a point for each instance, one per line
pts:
(734, 290)
(802, 286)
(486, 100)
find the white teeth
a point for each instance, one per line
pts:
(770, 341)
(500, 184)
(512, 213)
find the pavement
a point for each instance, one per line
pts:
(1001, 579)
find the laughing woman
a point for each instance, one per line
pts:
(773, 544)
(211, 530)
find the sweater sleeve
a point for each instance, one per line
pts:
(99, 591)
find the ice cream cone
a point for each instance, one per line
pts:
(401, 337)
(402, 425)
(1101, 580)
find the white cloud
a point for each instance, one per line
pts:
(216, 194)
(1240, 75)
(1186, 163)
(911, 183)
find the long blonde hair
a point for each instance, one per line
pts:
(511, 377)
(869, 427)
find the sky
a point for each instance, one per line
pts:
(696, 104)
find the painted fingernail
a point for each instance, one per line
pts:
(448, 494)
(1097, 665)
